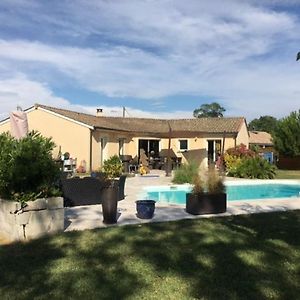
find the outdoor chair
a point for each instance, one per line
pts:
(121, 187)
(81, 191)
(134, 165)
(87, 190)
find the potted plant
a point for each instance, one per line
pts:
(208, 197)
(30, 205)
(110, 193)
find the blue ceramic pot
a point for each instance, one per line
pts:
(145, 208)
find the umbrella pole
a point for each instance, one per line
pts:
(222, 167)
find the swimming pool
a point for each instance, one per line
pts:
(177, 194)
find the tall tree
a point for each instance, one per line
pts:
(209, 110)
(286, 136)
(264, 123)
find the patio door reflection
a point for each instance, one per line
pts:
(151, 147)
(213, 150)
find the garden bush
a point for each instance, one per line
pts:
(246, 163)
(241, 151)
(113, 167)
(27, 170)
(186, 173)
(233, 157)
(253, 167)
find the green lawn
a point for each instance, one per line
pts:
(288, 174)
(240, 257)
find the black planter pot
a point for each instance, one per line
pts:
(110, 197)
(206, 203)
(145, 209)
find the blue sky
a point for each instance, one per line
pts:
(158, 58)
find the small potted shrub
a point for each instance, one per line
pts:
(208, 197)
(110, 194)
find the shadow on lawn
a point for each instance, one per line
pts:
(241, 257)
(74, 265)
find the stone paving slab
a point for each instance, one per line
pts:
(91, 217)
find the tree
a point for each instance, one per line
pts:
(209, 110)
(286, 136)
(264, 123)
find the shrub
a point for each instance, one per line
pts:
(27, 170)
(231, 162)
(241, 151)
(286, 136)
(254, 167)
(113, 167)
(234, 156)
(186, 173)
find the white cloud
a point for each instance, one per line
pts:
(241, 52)
(117, 111)
(23, 92)
(20, 91)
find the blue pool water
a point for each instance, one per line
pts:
(176, 194)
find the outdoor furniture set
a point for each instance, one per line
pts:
(89, 190)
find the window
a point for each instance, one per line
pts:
(183, 145)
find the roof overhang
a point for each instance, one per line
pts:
(172, 134)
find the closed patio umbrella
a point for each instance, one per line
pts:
(18, 124)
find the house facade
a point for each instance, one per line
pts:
(94, 138)
(263, 143)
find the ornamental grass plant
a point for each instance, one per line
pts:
(186, 173)
(214, 182)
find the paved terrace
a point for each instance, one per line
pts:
(89, 217)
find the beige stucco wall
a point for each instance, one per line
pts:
(111, 146)
(75, 139)
(4, 127)
(67, 135)
(243, 136)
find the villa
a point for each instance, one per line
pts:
(94, 138)
(263, 142)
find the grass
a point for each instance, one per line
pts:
(287, 174)
(238, 257)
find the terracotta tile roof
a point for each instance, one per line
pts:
(260, 138)
(147, 125)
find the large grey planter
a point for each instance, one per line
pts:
(39, 217)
